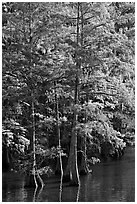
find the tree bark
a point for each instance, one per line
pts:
(71, 172)
(72, 167)
(83, 168)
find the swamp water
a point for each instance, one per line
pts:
(109, 182)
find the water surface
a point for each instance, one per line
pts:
(110, 182)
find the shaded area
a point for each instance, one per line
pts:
(110, 181)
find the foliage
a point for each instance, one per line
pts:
(40, 48)
(14, 136)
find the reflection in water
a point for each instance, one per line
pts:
(78, 192)
(113, 181)
(110, 182)
(60, 190)
(34, 195)
(37, 193)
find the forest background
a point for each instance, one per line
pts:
(68, 85)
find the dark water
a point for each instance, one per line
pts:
(110, 182)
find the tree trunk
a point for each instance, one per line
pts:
(71, 172)
(83, 168)
(34, 178)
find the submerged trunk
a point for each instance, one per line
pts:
(71, 172)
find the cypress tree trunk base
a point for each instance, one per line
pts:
(72, 178)
(71, 172)
(66, 178)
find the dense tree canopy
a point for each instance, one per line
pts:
(68, 82)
